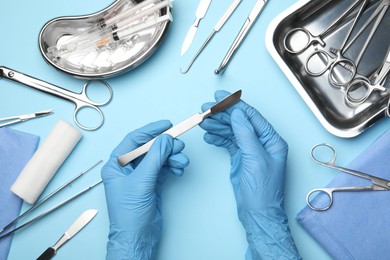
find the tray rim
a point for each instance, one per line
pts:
(344, 133)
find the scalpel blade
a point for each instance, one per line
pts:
(200, 13)
(79, 224)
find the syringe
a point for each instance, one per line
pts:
(123, 20)
(117, 35)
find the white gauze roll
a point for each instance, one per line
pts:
(45, 162)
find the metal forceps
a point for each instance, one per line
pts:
(378, 184)
(306, 38)
(335, 59)
(361, 88)
(22, 118)
(81, 100)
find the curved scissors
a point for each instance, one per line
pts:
(305, 38)
(378, 184)
(81, 100)
(361, 88)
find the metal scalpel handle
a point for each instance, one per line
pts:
(175, 131)
(184, 126)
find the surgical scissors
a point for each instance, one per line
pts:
(378, 184)
(335, 58)
(361, 88)
(308, 39)
(81, 100)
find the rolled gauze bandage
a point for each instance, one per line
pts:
(45, 162)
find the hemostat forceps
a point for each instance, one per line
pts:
(335, 57)
(305, 38)
(360, 89)
(81, 100)
(378, 184)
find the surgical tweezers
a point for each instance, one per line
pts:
(250, 20)
(3, 232)
(16, 119)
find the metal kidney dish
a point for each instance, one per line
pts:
(109, 59)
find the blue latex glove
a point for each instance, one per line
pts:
(133, 192)
(258, 161)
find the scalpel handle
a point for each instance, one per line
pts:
(174, 131)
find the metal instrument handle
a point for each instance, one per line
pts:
(331, 163)
(38, 84)
(226, 15)
(311, 39)
(51, 210)
(344, 64)
(81, 100)
(258, 7)
(378, 183)
(360, 84)
(329, 193)
(174, 131)
(325, 57)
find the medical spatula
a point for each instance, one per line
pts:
(183, 127)
(81, 222)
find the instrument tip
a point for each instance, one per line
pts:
(184, 71)
(216, 72)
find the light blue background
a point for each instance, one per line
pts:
(199, 208)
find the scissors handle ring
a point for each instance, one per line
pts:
(89, 100)
(329, 194)
(86, 105)
(323, 162)
(358, 84)
(327, 59)
(345, 63)
(310, 40)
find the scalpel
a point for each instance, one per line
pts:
(200, 13)
(79, 224)
(183, 127)
(217, 27)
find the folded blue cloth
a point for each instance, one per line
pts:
(357, 226)
(16, 149)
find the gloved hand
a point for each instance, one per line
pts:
(258, 161)
(133, 192)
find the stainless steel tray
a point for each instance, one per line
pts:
(95, 64)
(326, 101)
